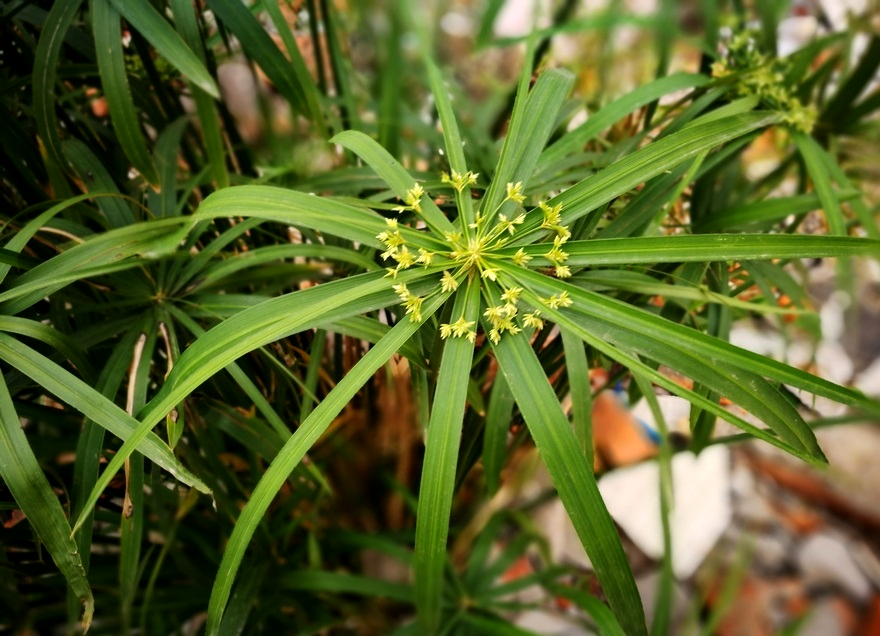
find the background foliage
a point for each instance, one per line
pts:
(265, 468)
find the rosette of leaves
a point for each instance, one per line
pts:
(469, 278)
(473, 273)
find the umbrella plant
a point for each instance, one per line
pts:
(500, 273)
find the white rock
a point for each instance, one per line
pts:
(676, 413)
(565, 545)
(833, 362)
(541, 622)
(868, 381)
(515, 18)
(826, 559)
(761, 341)
(832, 315)
(838, 11)
(756, 511)
(701, 512)
(868, 561)
(742, 481)
(800, 353)
(647, 585)
(794, 33)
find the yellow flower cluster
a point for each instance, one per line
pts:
(476, 253)
(459, 181)
(461, 328)
(553, 221)
(397, 250)
(412, 302)
(413, 200)
(761, 75)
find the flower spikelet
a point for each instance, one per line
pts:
(514, 192)
(461, 328)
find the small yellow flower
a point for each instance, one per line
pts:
(563, 271)
(521, 258)
(448, 283)
(413, 198)
(533, 320)
(552, 215)
(514, 192)
(556, 256)
(461, 328)
(512, 295)
(490, 272)
(459, 181)
(495, 314)
(425, 257)
(558, 301)
(413, 306)
(404, 257)
(401, 290)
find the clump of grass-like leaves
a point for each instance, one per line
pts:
(246, 320)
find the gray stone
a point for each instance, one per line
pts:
(823, 620)
(825, 559)
(647, 585)
(771, 552)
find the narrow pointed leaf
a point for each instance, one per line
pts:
(391, 172)
(573, 478)
(294, 450)
(82, 397)
(706, 247)
(22, 474)
(147, 21)
(441, 459)
(114, 81)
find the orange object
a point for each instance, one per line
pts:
(617, 436)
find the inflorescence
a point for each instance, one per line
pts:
(476, 252)
(763, 76)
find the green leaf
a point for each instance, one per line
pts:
(290, 77)
(21, 237)
(244, 332)
(141, 15)
(22, 474)
(95, 178)
(209, 124)
(598, 611)
(342, 583)
(111, 251)
(811, 153)
(391, 172)
(295, 449)
(452, 141)
(164, 202)
(766, 212)
(705, 247)
(59, 341)
(574, 140)
(736, 372)
(55, 28)
(441, 458)
(573, 478)
(82, 397)
(304, 210)
(495, 434)
(530, 127)
(111, 65)
(578, 372)
(640, 166)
